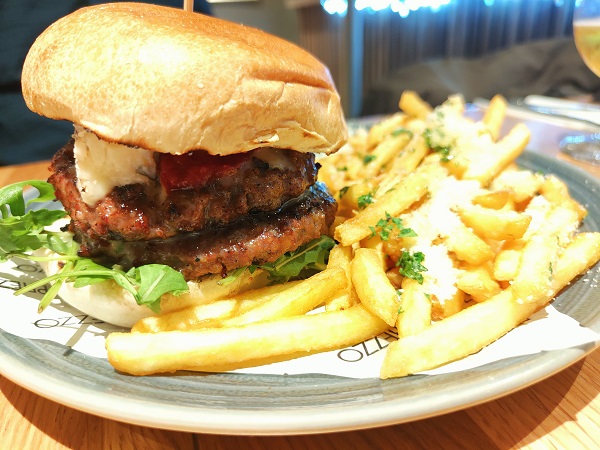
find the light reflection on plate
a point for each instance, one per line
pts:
(311, 403)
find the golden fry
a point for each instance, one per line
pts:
(522, 185)
(372, 285)
(468, 247)
(540, 254)
(203, 315)
(413, 105)
(385, 128)
(493, 224)
(341, 257)
(299, 299)
(412, 188)
(415, 309)
(385, 152)
(492, 200)
(478, 283)
(506, 263)
(494, 116)
(557, 192)
(489, 164)
(481, 324)
(170, 351)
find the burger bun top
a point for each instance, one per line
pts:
(173, 81)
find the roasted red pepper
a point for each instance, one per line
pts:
(195, 169)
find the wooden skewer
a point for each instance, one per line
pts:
(188, 5)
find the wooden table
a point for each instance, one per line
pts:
(560, 412)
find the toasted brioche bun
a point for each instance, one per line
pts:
(172, 81)
(111, 303)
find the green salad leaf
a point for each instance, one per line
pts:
(23, 231)
(301, 263)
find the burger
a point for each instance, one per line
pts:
(194, 147)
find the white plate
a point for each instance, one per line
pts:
(273, 404)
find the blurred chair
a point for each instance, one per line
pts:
(550, 67)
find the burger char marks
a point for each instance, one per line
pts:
(256, 239)
(141, 212)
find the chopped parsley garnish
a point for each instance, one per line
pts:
(409, 265)
(366, 200)
(368, 158)
(385, 227)
(430, 138)
(343, 191)
(399, 131)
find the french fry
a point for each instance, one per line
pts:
(415, 309)
(494, 115)
(494, 224)
(450, 306)
(492, 200)
(411, 189)
(556, 191)
(349, 198)
(384, 152)
(340, 257)
(478, 283)
(170, 351)
(205, 314)
(489, 164)
(506, 263)
(299, 299)
(385, 128)
(406, 162)
(467, 246)
(475, 327)
(521, 185)
(372, 285)
(540, 253)
(269, 303)
(413, 105)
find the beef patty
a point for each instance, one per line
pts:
(252, 216)
(256, 239)
(136, 211)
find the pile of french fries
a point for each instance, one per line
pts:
(439, 235)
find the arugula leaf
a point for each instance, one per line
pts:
(310, 257)
(12, 196)
(409, 265)
(300, 263)
(22, 232)
(154, 280)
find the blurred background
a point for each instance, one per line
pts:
(374, 49)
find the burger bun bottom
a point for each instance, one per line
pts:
(109, 302)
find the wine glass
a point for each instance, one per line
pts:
(586, 31)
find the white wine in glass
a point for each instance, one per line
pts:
(586, 32)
